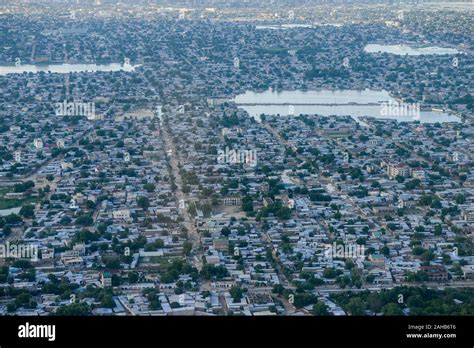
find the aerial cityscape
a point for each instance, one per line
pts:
(224, 158)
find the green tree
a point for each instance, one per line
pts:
(187, 247)
(27, 211)
(74, 309)
(143, 202)
(236, 293)
(392, 309)
(149, 187)
(132, 277)
(320, 309)
(355, 306)
(107, 302)
(247, 204)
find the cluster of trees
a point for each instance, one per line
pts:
(128, 172)
(277, 209)
(24, 300)
(84, 220)
(102, 295)
(302, 299)
(143, 202)
(320, 309)
(237, 293)
(4, 274)
(247, 204)
(23, 186)
(189, 178)
(8, 221)
(310, 281)
(330, 273)
(28, 272)
(420, 276)
(286, 245)
(85, 236)
(359, 192)
(153, 301)
(412, 184)
(61, 197)
(468, 99)
(170, 272)
(430, 200)
(157, 244)
(61, 287)
(318, 196)
(211, 272)
(74, 309)
(229, 121)
(27, 211)
(298, 298)
(418, 301)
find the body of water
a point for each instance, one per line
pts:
(296, 25)
(352, 103)
(64, 68)
(283, 26)
(403, 50)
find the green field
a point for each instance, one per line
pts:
(13, 203)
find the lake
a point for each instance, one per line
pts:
(64, 68)
(296, 25)
(403, 50)
(352, 103)
(283, 26)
